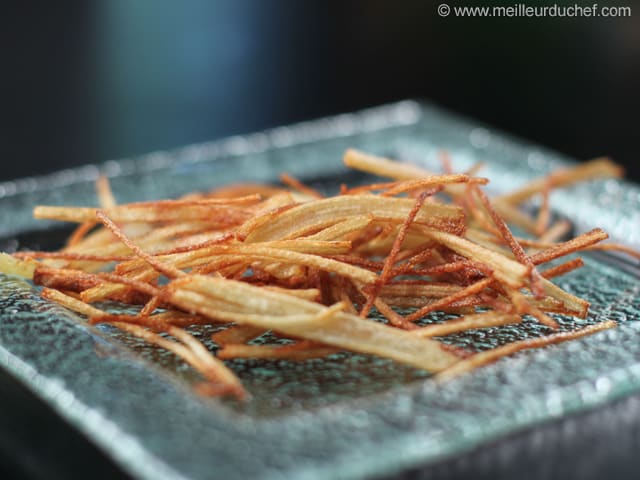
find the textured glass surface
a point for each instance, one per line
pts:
(347, 416)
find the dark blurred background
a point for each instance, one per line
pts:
(92, 81)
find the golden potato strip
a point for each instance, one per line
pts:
(488, 241)
(194, 242)
(64, 279)
(507, 271)
(231, 311)
(313, 216)
(461, 294)
(515, 216)
(212, 368)
(223, 215)
(468, 322)
(311, 294)
(549, 304)
(395, 188)
(394, 318)
(298, 185)
(435, 180)
(105, 195)
(156, 322)
(597, 168)
(461, 307)
(102, 240)
(563, 268)
(557, 231)
(193, 352)
(475, 168)
(237, 334)
(445, 160)
(167, 270)
(10, 265)
(544, 213)
(97, 293)
(74, 280)
(618, 247)
(80, 233)
(150, 307)
(504, 205)
(73, 256)
(71, 303)
(244, 254)
(277, 202)
(491, 356)
(340, 330)
(379, 245)
(310, 246)
(244, 189)
(586, 239)
(242, 200)
(373, 290)
(383, 167)
(216, 256)
(277, 250)
(465, 266)
(340, 229)
(430, 289)
(249, 253)
(299, 351)
(523, 306)
(513, 244)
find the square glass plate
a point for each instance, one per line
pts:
(349, 416)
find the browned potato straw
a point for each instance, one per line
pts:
(310, 267)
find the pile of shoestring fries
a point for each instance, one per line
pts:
(355, 271)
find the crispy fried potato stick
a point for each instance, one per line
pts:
(105, 195)
(597, 168)
(269, 310)
(383, 167)
(508, 271)
(463, 293)
(217, 213)
(11, 265)
(298, 185)
(394, 188)
(515, 247)
(192, 352)
(491, 356)
(299, 351)
(168, 270)
(573, 245)
(393, 254)
(479, 320)
(237, 334)
(341, 229)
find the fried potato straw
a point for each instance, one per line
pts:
(311, 267)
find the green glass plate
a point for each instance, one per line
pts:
(347, 416)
